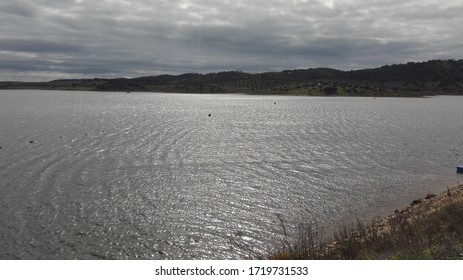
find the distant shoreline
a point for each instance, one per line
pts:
(436, 77)
(227, 93)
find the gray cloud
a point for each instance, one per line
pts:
(38, 46)
(47, 39)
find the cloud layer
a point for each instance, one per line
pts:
(47, 39)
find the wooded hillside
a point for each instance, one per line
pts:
(436, 77)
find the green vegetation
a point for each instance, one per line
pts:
(411, 80)
(431, 228)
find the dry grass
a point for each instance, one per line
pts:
(430, 228)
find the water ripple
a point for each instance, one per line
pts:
(152, 176)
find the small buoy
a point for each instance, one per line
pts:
(86, 133)
(274, 103)
(209, 114)
(460, 168)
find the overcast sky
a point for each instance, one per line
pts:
(50, 39)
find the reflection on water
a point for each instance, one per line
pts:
(153, 176)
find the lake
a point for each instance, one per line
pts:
(189, 176)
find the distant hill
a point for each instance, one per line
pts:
(436, 77)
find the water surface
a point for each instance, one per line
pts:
(153, 176)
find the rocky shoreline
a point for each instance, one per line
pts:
(430, 228)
